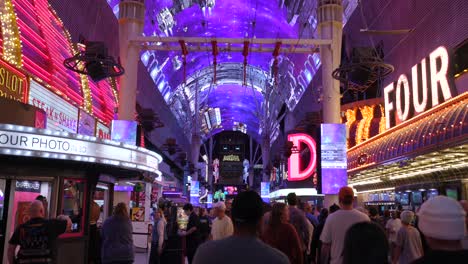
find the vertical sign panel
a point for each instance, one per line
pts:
(102, 131)
(61, 115)
(333, 157)
(87, 124)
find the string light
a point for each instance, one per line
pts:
(362, 133)
(350, 118)
(87, 97)
(382, 123)
(11, 35)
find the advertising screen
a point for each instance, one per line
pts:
(124, 131)
(86, 124)
(452, 193)
(404, 199)
(265, 191)
(195, 193)
(417, 198)
(431, 194)
(230, 190)
(333, 157)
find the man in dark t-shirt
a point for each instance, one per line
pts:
(36, 238)
(193, 232)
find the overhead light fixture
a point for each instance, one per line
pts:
(422, 190)
(130, 183)
(100, 186)
(386, 32)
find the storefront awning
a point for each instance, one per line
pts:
(30, 142)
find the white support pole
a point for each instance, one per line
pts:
(131, 20)
(330, 26)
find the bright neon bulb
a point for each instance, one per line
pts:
(439, 77)
(294, 162)
(419, 107)
(388, 103)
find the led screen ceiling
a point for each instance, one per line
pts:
(230, 19)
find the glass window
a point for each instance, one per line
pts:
(101, 198)
(2, 202)
(74, 191)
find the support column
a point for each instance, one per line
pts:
(266, 158)
(252, 163)
(210, 162)
(330, 26)
(195, 154)
(131, 21)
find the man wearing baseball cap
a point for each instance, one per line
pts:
(243, 246)
(337, 224)
(442, 221)
(222, 225)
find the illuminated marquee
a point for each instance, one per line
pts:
(408, 100)
(13, 84)
(231, 158)
(294, 162)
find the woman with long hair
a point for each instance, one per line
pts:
(159, 236)
(282, 235)
(117, 240)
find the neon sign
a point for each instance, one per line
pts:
(13, 84)
(294, 162)
(410, 99)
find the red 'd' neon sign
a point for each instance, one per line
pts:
(294, 162)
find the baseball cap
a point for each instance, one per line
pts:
(442, 218)
(247, 207)
(345, 191)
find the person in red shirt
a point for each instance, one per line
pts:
(282, 235)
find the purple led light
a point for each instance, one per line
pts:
(228, 19)
(120, 188)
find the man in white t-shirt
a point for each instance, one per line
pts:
(393, 226)
(222, 225)
(408, 243)
(336, 226)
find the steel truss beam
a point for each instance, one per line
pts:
(257, 45)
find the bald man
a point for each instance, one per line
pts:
(36, 238)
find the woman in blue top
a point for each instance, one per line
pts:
(117, 239)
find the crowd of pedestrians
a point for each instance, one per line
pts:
(251, 231)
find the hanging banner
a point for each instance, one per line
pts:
(61, 115)
(13, 83)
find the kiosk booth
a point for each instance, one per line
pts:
(71, 171)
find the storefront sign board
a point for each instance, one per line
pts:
(28, 141)
(13, 83)
(61, 115)
(430, 84)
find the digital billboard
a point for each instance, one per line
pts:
(124, 131)
(333, 157)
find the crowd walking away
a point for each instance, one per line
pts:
(247, 230)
